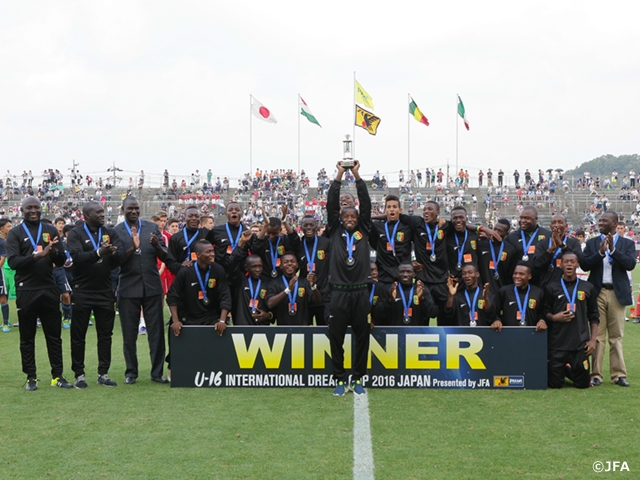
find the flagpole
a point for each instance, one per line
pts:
(408, 139)
(353, 144)
(456, 172)
(250, 139)
(299, 114)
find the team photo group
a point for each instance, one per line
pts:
(363, 269)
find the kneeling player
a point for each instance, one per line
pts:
(410, 304)
(469, 306)
(571, 308)
(520, 303)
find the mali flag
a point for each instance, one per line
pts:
(416, 113)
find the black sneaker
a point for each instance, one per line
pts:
(159, 380)
(129, 380)
(31, 385)
(60, 382)
(106, 381)
(80, 383)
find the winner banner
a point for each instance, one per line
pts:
(399, 357)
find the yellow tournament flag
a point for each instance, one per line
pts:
(363, 97)
(367, 120)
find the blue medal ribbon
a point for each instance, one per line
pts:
(350, 241)
(496, 261)
(372, 294)
(126, 225)
(292, 293)
(274, 253)
(254, 294)
(432, 236)
(461, 248)
(34, 244)
(525, 244)
(557, 253)
(606, 252)
(96, 245)
(406, 303)
(572, 303)
(311, 259)
(472, 305)
(203, 285)
(189, 241)
(522, 306)
(234, 243)
(392, 238)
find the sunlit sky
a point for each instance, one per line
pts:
(155, 85)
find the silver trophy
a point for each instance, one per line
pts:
(347, 161)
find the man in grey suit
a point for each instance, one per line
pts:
(139, 287)
(608, 257)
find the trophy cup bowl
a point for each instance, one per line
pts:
(347, 161)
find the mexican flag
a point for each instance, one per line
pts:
(461, 112)
(306, 112)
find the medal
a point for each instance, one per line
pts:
(293, 306)
(472, 306)
(274, 273)
(522, 306)
(254, 311)
(525, 257)
(522, 322)
(497, 276)
(461, 248)
(459, 267)
(406, 320)
(433, 236)
(205, 301)
(350, 241)
(406, 303)
(473, 323)
(351, 261)
(274, 256)
(526, 245)
(253, 303)
(202, 295)
(432, 257)
(495, 260)
(138, 251)
(551, 268)
(292, 312)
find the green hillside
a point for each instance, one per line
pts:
(605, 164)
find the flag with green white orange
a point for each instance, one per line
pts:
(305, 111)
(462, 113)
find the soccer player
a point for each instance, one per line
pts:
(571, 307)
(206, 221)
(527, 237)
(461, 243)
(61, 277)
(270, 244)
(391, 239)
(520, 303)
(33, 248)
(179, 253)
(225, 238)
(140, 287)
(5, 226)
(410, 304)
(200, 293)
(469, 306)
(350, 276)
(290, 296)
(95, 253)
(496, 258)
(313, 255)
(378, 292)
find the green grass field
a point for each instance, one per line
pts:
(149, 430)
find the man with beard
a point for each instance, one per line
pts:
(140, 288)
(608, 257)
(410, 304)
(313, 255)
(33, 248)
(527, 237)
(391, 239)
(547, 259)
(95, 253)
(180, 253)
(249, 299)
(470, 305)
(496, 258)
(571, 307)
(200, 293)
(289, 296)
(350, 276)
(520, 304)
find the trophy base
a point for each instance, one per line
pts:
(347, 164)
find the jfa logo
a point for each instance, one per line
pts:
(609, 466)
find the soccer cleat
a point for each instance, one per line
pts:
(340, 390)
(80, 383)
(357, 388)
(142, 330)
(6, 328)
(66, 323)
(31, 385)
(60, 382)
(106, 381)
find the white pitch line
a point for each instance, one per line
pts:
(362, 449)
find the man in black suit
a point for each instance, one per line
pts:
(608, 257)
(140, 287)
